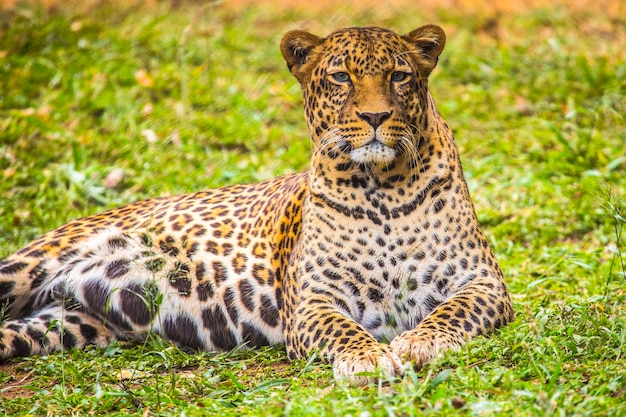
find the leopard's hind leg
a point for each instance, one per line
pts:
(97, 290)
(50, 329)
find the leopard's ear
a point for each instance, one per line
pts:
(429, 41)
(296, 47)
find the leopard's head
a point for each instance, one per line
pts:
(365, 91)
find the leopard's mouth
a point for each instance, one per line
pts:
(373, 152)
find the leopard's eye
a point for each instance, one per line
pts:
(399, 76)
(341, 77)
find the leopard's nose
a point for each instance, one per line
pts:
(374, 119)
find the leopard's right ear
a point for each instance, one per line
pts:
(296, 47)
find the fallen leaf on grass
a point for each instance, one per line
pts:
(114, 178)
(128, 374)
(146, 110)
(143, 78)
(149, 135)
(522, 106)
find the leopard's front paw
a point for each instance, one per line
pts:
(419, 347)
(360, 367)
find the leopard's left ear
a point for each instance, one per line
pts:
(296, 47)
(429, 41)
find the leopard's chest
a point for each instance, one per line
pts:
(387, 277)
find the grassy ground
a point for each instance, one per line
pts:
(105, 105)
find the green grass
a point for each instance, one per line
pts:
(537, 102)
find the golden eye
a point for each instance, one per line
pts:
(341, 77)
(399, 76)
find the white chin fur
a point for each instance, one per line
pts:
(375, 153)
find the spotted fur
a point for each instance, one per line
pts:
(371, 258)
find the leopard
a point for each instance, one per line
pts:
(372, 260)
